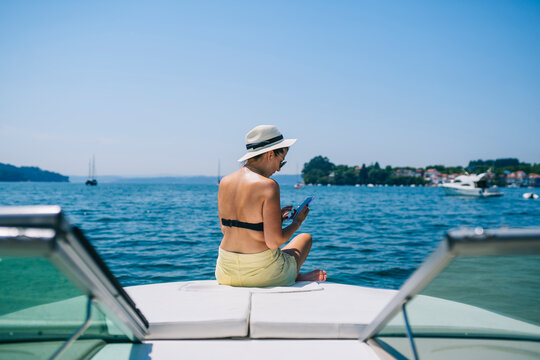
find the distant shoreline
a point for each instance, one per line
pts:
(10, 173)
(191, 180)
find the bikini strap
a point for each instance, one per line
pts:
(241, 224)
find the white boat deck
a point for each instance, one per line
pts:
(200, 319)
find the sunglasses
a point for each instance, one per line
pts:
(282, 164)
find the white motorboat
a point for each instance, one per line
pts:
(530, 195)
(471, 185)
(475, 297)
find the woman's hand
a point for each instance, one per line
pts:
(285, 212)
(299, 219)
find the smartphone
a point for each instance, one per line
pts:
(302, 206)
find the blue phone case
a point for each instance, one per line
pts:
(302, 206)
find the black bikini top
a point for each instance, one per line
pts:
(244, 225)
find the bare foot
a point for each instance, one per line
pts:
(315, 275)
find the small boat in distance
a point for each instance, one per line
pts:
(92, 172)
(299, 182)
(530, 195)
(471, 185)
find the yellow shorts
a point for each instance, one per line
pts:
(267, 268)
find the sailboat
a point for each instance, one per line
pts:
(92, 172)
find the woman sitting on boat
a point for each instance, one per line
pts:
(251, 220)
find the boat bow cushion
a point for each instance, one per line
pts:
(204, 309)
(176, 314)
(340, 311)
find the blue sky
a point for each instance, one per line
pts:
(169, 87)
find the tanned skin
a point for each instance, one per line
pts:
(249, 195)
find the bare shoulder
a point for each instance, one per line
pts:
(225, 180)
(229, 179)
(269, 187)
(250, 182)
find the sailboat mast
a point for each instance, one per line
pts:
(92, 171)
(93, 166)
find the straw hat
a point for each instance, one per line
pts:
(264, 138)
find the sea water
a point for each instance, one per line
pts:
(363, 236)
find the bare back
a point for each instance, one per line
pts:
(241, 197)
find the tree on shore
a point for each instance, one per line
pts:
(317, 170)
(320, 170)
(29, 173)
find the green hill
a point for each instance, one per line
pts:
(29, 173)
